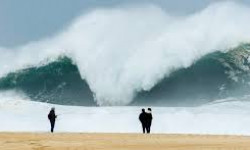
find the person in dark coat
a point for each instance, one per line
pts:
(143, 120)
(149, 120)
(52, 118)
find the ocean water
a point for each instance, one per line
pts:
(110, 62)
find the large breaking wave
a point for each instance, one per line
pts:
(215, 76)
(136, 55)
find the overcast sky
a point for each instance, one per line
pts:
(29, 20)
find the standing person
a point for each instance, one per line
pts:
(143, 119)
(149, 120)
(52, 118)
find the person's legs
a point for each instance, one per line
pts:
(52, 123)
(148, 129)
(143, 128)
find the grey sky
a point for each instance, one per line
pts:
(28, 20)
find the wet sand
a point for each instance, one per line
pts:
(84, 141)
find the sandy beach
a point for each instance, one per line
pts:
(82, 141)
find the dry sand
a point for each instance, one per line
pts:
(68, 141)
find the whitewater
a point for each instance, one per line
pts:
(224, 118)
(123, 51)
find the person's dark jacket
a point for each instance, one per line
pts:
(52, 116)
(149, 118)
(143, 118)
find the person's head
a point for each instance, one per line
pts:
(149, 109)
(53, 108)
(143, 110)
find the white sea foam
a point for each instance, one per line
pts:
(230, 117)
(120, 51)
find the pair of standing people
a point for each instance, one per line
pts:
(146, 120)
